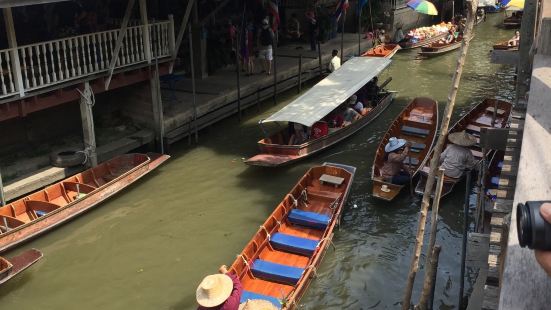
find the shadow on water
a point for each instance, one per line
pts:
(149, 247)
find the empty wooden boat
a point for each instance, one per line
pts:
(489, 113)
(437, 48)
(280, 260)
(9, 268)
(417, 124)
(504, 45)
(314, 105)
(43, 210)
(385, 50)
(415, 44)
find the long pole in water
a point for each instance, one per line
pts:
(464, 243)
(275, 66)
(359, 28)
(414, 265)
(342, 36)
(2, 197)
(193, 86)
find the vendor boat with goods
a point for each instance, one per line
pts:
(11, 267)
(416, 124)
(385, 50)
(45, 209)
(281, 259)
(489, 113)
(322, 109)
(425, 35)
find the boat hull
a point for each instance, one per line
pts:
(382, 50)
(32, 229)
(408, 45)
(274, 155)
(435, 51)
(17, 264)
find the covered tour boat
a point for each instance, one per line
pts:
(312, 108)
(489, 113)
(385, 50)
(417, 124)
(45, 209)
(11, 267)
(281, 259)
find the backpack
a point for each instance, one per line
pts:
(266, 37)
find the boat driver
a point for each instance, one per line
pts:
(394, 170)
(457, 158)
(219, 291)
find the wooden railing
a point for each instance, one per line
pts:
(54, 62)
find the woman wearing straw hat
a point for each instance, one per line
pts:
(219, 291)
(394, 170)
(457, 158)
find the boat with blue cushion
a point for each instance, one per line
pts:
(281, 258)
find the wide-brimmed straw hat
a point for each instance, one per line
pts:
(257, 304)
(214, 290)
(394, 144)
(462, 138)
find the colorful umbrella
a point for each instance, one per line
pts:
(425, 7)
(513, 3)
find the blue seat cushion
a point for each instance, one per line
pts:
(246, 295)
(495, 181)
(276, 272)
(40, 213)
(293, 244)
(413, 131)
(309, 219)
(418, 147)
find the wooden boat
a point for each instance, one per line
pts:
(481, 116)
(316, 104)
(385, 50)
(279, 262)
(9, 268)
(504, 45)
(436, 48)
(409, 45)
(512, 21)
(417, 124)
(30, 216)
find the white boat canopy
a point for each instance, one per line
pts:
(331, 92)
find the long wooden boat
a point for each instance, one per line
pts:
(489, 113)
(279, 262)
(437, 48)
(317, 103)
(504, 45)
(417, 124)
(33, 215)
(409, 45)
(512, 22)
(386, 50)
(9, 268)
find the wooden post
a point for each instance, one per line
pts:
(544, 44)
(2, 196)
(88, 130)
(171, 35)
(429, 262)
(237, 75)
(359, 29)
(118, 45)
(481, 191)
(524, 67)
(157, 107)
(145, 33)
(464, 241)
(274, 47)
(299, 73)
(319, 59)
(193, 86)
(181, 33)
(14, 52)
(342, 35)
(471, 15)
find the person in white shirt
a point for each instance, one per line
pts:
(458, 157)
(335, 61)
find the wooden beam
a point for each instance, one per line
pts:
(118, 45)
(14, 52)
(181, 33)
(145, 32)
(2, 196)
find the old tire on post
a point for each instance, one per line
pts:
(67, 158)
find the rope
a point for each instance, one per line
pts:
(244, 260)
(266, 231)
(328, 240)
(304, 194)
(314, 269)
(334, 204)
(295, 202)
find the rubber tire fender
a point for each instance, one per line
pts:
(67, 158)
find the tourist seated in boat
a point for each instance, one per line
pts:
(319, 129)
(298, 133)
(335, 62)
(219, 291)
(358, 106)
(394, 169)
(449, 38)
(350, 115)
(457, 157)
(335, 119)
(514, 40)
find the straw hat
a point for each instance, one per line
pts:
(462, 138)
(384, 188)
(394, 144)
(257, 304)
(214, 290)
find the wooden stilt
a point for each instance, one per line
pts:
(2, 196)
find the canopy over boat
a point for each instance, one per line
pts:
(332, 91)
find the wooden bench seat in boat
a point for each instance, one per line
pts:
(293, 244)
(418, 147)
(314, 191)
(11, 222)
(491, 110)
(246, 295)
(414, 161)
(448, 179)
(413, 131)
(276, 272)
(309, 219)
(329, 179)
(41, 208)
(473, 129)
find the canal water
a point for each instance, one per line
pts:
(149, 247)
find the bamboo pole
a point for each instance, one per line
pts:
(406, 302)
(429, 261)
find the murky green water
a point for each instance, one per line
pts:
(149, 247)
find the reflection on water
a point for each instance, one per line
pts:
(149, 247)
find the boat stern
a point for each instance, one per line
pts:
(270, 160)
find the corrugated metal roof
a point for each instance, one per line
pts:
(332, 91)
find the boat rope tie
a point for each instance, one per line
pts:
(295, 202)
(304, 194)
(329, 240)
(266, 231)
(314, 270)
(244, 260)
(334, 204)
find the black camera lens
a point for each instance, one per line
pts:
(533, 231)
